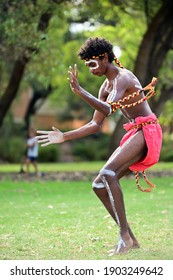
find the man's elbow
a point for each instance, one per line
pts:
(96, 126)
(106, 110)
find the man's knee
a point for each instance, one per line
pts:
(104, 174)
(108, 174)
(97, 184)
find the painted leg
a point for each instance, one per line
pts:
(111, 194)
(113, 201)
(103, 196)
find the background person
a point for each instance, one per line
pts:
(32, 152)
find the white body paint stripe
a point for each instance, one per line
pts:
(98, 185)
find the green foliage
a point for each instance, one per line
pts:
(49, 154)
(13, 145)
(92, 148)
(24, 15)
(167, 148)
(20, 24)
(166, 116)
(20, 33)
(49, 62)
(12, 141)
(165, 78)
(12, 149)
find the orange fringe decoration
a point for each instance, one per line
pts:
(118, 62)
(150, 93)
(152, 186)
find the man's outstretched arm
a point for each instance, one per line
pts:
(55, 136)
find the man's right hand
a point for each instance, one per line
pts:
(50, 137)
(73, 79)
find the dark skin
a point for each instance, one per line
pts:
(118, 84)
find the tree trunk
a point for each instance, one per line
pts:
(157, 105)
(13, 86)
(157, 41)
(33, 105)
(18, 71)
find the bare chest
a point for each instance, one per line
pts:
(111, 90)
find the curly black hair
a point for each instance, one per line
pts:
(96, 47)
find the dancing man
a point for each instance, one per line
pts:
(140, 147)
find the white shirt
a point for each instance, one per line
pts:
(32, 151)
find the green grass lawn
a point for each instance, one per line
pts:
(77, 166)
(44, 220)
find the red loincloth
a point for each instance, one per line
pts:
(153, 137)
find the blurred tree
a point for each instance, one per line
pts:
(22, 32)
(49, 34)
(38, 95)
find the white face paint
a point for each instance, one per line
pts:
(92, 64)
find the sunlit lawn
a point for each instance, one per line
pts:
(65, 220)
(79, 166)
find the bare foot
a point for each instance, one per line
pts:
(135, 245)
(123, 246)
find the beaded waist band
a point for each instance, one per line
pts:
(138, 126)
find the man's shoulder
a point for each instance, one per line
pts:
(128, 76)
(125, 73)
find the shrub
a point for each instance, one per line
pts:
(167, 148)
(12, 150)
(49, 153)
(92, 148)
